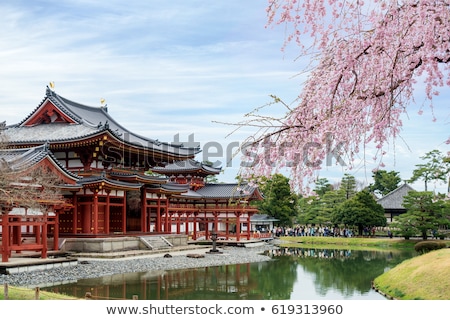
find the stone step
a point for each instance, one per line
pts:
(156, 242)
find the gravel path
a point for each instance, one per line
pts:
(92, 268)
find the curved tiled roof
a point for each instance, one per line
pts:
(189, 165)
(224, 191)
(132, 176)
(52, 132)
(394, 199)
(227, 190)
(87, 121)
(25, 158)
(170, 187)
(95, 180)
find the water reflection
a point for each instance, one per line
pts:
(294, 273)
(337, 273)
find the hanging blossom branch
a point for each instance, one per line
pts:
(368, 59)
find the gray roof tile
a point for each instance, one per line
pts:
(227, 191)
(89, 120)
(25, 158)
(185, 166)
(394, 199)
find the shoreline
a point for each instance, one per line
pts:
(92, 267)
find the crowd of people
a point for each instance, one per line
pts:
(313, 231)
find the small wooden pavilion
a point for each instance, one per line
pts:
(18, 219)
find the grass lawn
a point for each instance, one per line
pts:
(426, 277)
(17, 293)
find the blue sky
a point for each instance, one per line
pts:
(174, 67)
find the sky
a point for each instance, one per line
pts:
(178, 71)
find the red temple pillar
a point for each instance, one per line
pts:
(37, 233)
(158, 215)
(17, 233)
(75, 213)
(86, 217)
(186, 223)
(227, 226)
(95, 212)
(248, 227)
(108, 212)
(124, 213)
(168, 228)
(194, 235)
(56, 230)
(238, 226)
(178, 222)
(5, 237)
(43, 227)
(144, 211)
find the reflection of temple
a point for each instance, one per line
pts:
(117, 183)
(227, 282)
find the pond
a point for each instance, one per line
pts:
(292, 274)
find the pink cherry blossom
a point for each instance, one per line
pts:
(367, 58)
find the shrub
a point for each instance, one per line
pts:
(427, 246)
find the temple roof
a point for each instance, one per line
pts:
(104, 182)
(187, 166)
(171, 188)
(137, 177)
(394, 199)
(26, 158)
(57, 119)
(225, 191)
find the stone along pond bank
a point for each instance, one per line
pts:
(93, 268)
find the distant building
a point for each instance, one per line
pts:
(262, 222)
(393, 202)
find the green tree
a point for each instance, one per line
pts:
(384, 182)
(361, 211)
(425, 212)
(328, 203)
(319, 209)
(322, 186)
(279, 201)
(308, 209)
(348, 186)
(437, 167)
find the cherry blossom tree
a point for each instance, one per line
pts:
(366, 58)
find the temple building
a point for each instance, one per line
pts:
(392, 203)
(116, 183)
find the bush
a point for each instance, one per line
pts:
(427, 246)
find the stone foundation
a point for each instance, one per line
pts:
(115, 244)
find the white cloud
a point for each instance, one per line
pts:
(166, 67)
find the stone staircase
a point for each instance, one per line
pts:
(155, 242)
